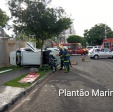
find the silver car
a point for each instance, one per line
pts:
(93, 47)
(100, 53)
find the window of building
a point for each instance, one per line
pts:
(107, 44)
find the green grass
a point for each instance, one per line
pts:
(15, 82)
(43, 73)
(11, 67)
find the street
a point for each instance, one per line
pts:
(55, 93)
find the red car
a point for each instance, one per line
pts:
(74, 48)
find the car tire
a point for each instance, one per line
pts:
(91, 57)
(96, 57)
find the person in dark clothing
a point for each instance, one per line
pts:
(67, 63)
(61, 58)
(52, 62)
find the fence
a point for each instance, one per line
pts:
(7, 46)
(2, 53)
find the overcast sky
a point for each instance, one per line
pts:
(86, 13)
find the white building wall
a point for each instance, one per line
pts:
(65, 34)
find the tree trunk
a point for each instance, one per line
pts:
(41, 54)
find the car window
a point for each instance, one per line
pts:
(55, 47)
(97, 50)
(102, 50)
(99, 46)
(106, 50)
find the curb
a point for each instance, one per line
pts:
(21, 94)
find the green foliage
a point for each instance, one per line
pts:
(76, 39)
(83, 42)
(37, 18)
(45, 68)
(22, 37)
(15, 83)
(96, 34)
(38, 44)
(14, 68)
(10, 67)
(3, 18)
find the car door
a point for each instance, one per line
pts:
(102, 53)
(107, 53)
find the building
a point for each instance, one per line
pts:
(65, 34)
(3, 33)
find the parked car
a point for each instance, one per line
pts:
(100, 53)
(92, 47)
(89, 47)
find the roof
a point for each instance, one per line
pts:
(108, 40)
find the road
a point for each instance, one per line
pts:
(55, 93)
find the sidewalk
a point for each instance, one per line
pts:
(9, 95)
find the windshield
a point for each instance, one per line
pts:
(89, 47)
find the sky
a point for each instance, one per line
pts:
(86, 13)
(4, 7)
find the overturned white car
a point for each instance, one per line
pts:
(31, 56)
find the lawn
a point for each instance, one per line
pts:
(11, 67)
(15, 82)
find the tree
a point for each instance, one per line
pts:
(3, 18)
(96, 34)
(22, 36)
(76, 39)
(34, 17)
(83, 42)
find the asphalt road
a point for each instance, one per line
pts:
(88, 80)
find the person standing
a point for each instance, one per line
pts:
(52, 62)
(61, 58)
(66, 56)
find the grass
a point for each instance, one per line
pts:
(15, 82)
(11, 67)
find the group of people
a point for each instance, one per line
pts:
(64, 57)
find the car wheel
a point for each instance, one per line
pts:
(96, 57)
(91, 57)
